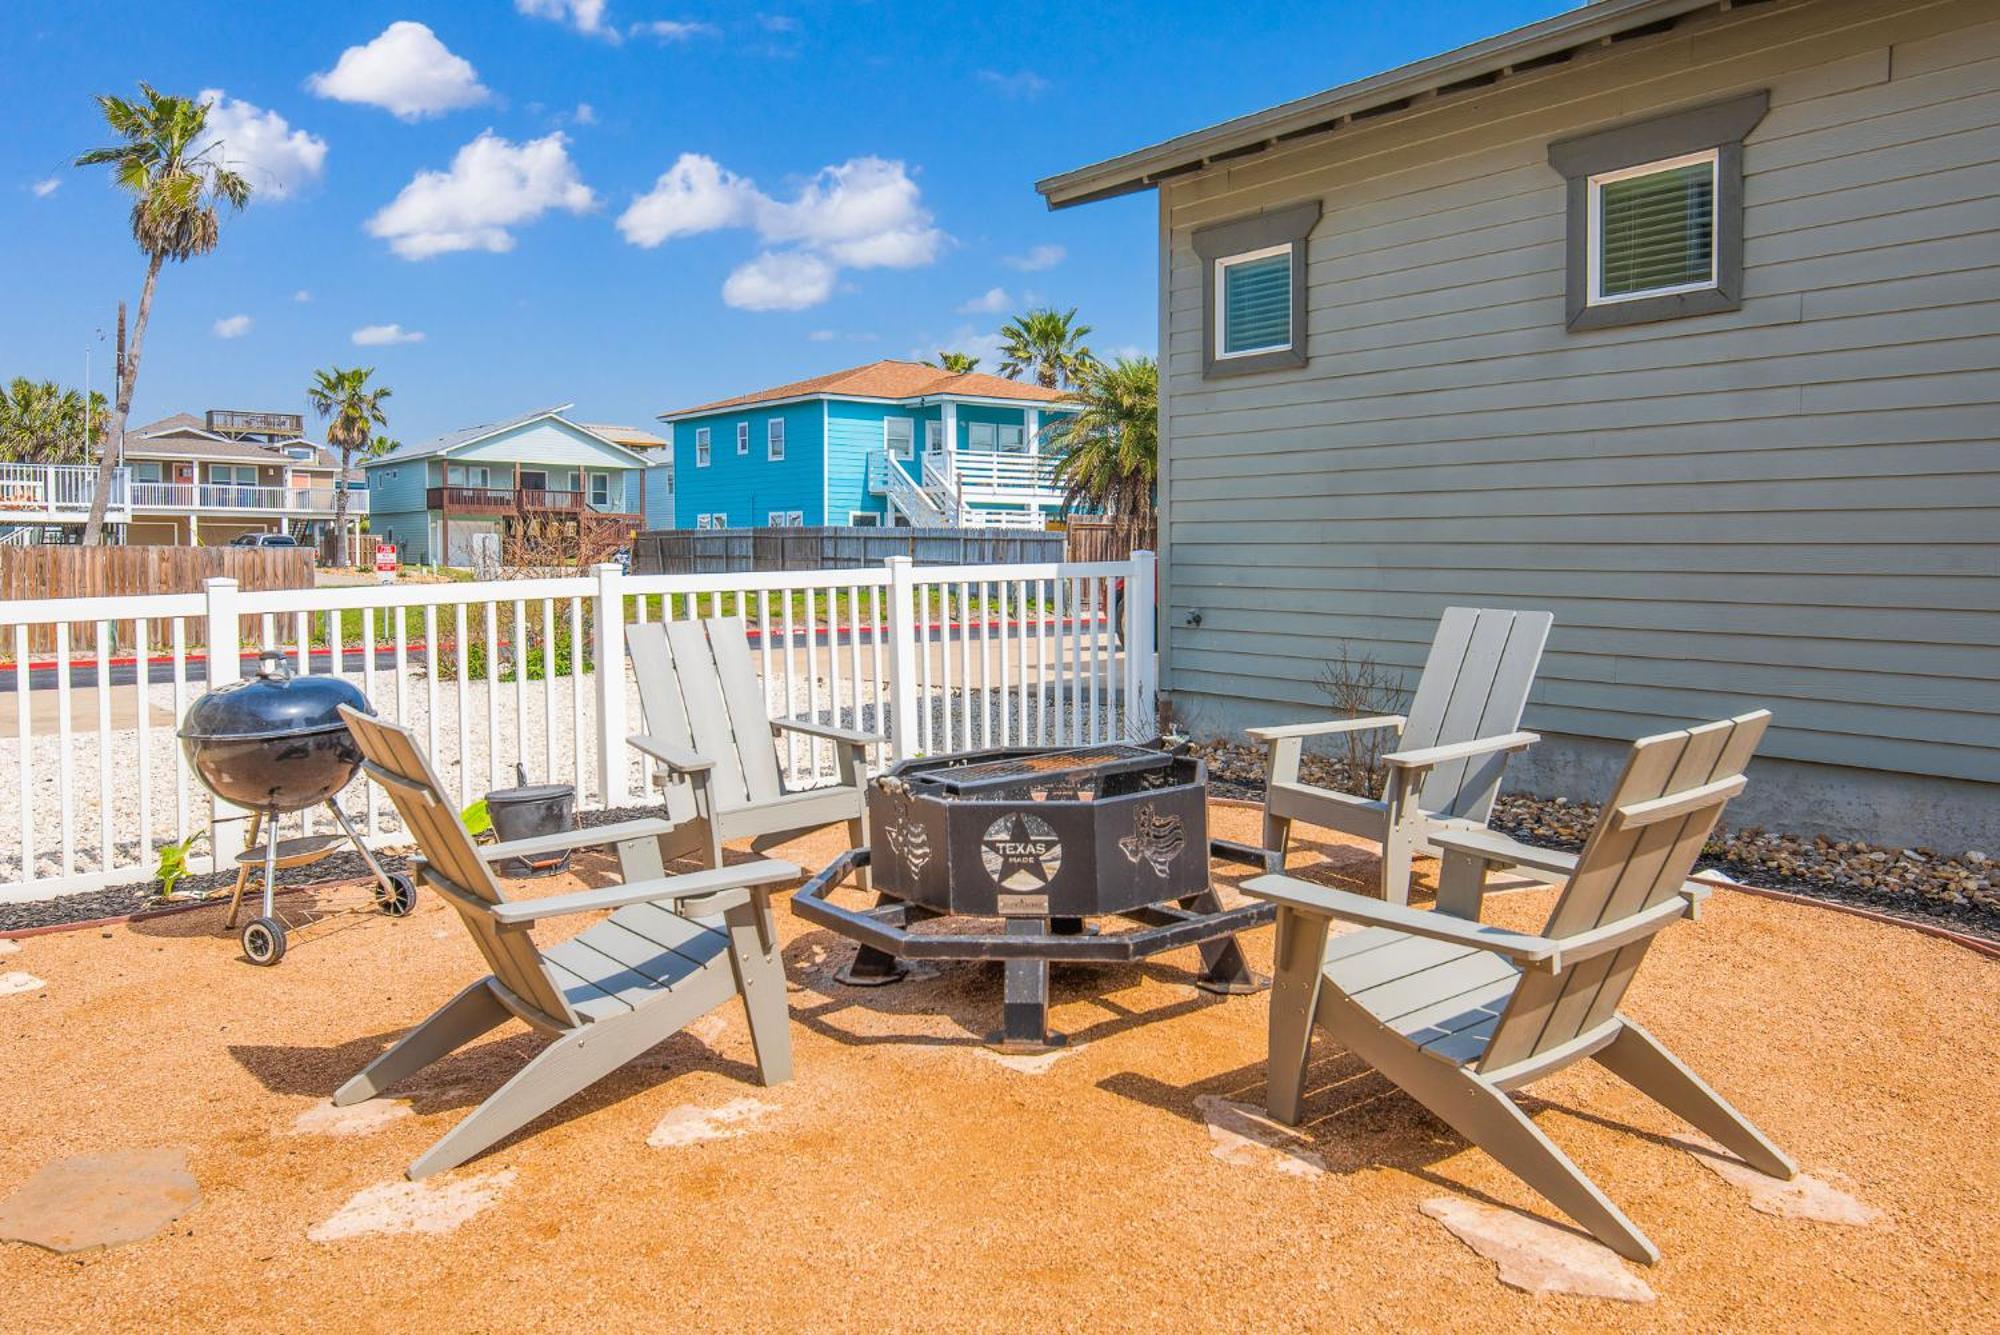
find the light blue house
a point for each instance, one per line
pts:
(889, 443)
(448, 500)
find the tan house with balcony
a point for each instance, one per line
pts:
(209, 481)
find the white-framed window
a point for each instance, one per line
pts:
(774, 439)
(980, 436)
(1253, 302)
(933, 437)
(467, 475)
(701, 444)
(1014, 438)
(1651, 229)
(600, 490)
(864, 519)
(785, 519)
(701, 521)
(899, 437)
(743, 438)
(718, 520)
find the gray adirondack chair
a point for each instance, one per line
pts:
(708, 726)
(1464, 721)
(675, 948)
(1458, 1014)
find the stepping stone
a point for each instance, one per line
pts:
(16, 981)
(1031, 1063)
(100, 1200)
(1536, 1257)
(357, 1119)
(1803, 1197)
(431, 1206)
(691, 1125)
(1243, 1135)
(709, 1028)
(9, 947)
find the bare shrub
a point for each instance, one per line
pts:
(1357, 685)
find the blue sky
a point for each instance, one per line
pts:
(629, 204)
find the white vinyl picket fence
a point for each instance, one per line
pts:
(505, 672)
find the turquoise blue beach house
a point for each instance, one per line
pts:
(886, 444)
(451, 500)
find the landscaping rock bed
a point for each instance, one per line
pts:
(1960, 893)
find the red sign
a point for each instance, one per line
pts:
(385, 560)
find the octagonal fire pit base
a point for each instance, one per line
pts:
(1042, 840)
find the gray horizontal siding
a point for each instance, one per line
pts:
(1794, 504)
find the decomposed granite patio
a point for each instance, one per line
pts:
(906, 1179)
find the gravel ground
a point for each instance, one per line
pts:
(1961, 892)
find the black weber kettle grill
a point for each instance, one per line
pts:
(275, 743)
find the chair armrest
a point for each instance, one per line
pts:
(1324, 728)
(564, 840)
(764, 871)
(681, 762)
(851, 736)
(1492, 846)
(1427, 756)
(1533, 951)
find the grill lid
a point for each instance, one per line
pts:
(272, 704)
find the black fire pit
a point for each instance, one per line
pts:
(1042, 840)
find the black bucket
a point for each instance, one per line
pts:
(530, 810)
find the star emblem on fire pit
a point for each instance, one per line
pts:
(1021, 852)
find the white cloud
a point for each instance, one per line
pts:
(493, 185)
(1037, 258)
(302, 295)
(381, 335)
(1021, 83)
(784, 280)
(406, 70)
(586, 16)
(696, 194)
(261, 146)
(585, 114)
(849, 336)
(47, 186)
(865, 213)
(667, 31)
(992, 302)
(232, 326)
(777, 23)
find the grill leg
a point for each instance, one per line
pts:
(360, 846)
(1024, 1008)
(1223, 968)
(270, 863)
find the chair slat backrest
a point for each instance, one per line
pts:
(1634, 860)
(1475, 684)
(699, 690)
(394, 761)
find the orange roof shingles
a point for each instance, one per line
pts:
(890, 380)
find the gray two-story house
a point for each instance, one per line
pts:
(1678, 318)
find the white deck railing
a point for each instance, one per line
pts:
(938, 658)
(205, 496)
(32, 493)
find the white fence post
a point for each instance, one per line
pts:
(903, 656)
(611, 767)
(1142, 662)
(226, 822)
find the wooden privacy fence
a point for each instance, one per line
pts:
(117, 572)
(1098, 540)
(735, 550)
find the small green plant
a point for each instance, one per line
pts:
(173, 864)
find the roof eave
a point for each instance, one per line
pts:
(1145, 168)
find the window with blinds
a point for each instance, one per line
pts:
(1253, 307)
(1653, 229)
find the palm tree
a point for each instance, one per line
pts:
(1047, 343)
(176, 188)
(352, 412)
(958, 363)
(41, 422)
(1108, 453)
